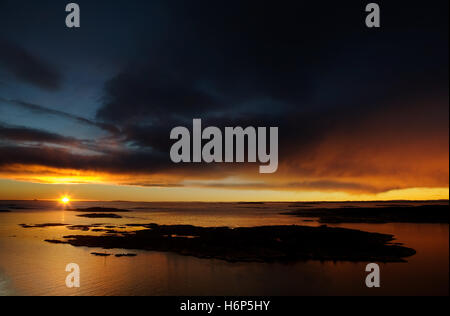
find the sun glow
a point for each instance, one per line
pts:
(65, 200)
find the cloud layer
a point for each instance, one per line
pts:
(357, 111)
(27, 67)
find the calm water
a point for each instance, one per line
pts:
(30, 266)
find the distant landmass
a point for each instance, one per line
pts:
(380, 215)
(100, 210)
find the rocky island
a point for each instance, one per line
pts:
(253, 244)
(100, 215)
(100, 210)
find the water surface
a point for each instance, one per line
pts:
(30, 266)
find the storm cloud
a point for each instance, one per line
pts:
(28, 67)
(358, 110)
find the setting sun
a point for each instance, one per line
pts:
(65, 200)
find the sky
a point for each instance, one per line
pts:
(363, 114)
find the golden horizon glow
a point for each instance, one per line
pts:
(16, 190)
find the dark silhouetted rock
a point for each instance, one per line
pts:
(100, 210)
(84, 228)
(100, 254)
(95, 215)
(43, 225)
(377, 215)
(56, 241)
(260, 244)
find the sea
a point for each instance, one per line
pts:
(30, 266)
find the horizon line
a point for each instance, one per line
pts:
(311, 201)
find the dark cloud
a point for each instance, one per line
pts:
(65, 159)
(314, 75)
(295, 63)
(39, 109)
(351, 104)
(150, 92)
(305, 185)
(23, 134)
(27, 67)
(35, 139)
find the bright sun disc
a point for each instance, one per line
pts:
(65, 200)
